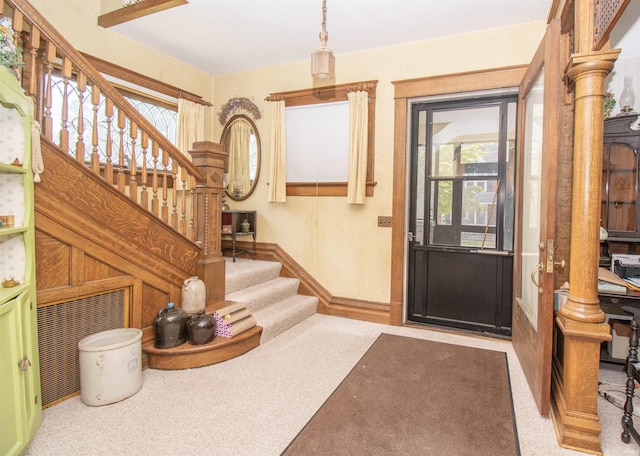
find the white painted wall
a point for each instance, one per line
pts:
(626, 37)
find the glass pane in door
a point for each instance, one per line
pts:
(420, 167)
(621, 205)
(465, 166)
(531, 195)
(478, 220)
(510, 175)
(465, 142)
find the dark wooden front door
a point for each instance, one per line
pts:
(461, 213)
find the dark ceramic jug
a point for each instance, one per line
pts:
(201, 328)
(170, 327)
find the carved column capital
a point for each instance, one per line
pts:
(596, 64)
(210, 158)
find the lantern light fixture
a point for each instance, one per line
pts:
(323, 62)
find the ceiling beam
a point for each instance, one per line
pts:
(143, 8)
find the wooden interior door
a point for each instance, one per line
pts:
(540, 99)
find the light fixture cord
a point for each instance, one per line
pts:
(324, 36)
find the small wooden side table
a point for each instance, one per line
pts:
(239, 223)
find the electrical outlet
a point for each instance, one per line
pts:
(384, 221)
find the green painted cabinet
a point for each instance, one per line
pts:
(20, 401)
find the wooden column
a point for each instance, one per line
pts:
(210, 158)
(580, 323)
(588, 73)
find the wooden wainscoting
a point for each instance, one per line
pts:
(88, 234)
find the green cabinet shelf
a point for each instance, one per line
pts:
(20, 402)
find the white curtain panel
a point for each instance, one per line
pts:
(190, 125)
(239, 149)
(358, 143)
(278, 167)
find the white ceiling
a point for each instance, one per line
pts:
(230, 36)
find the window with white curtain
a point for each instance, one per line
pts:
(317, 142)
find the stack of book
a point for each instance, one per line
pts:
(233, 320)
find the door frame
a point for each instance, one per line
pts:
(404, 91)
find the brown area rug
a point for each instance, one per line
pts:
(416, 397)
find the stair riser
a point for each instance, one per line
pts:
(259, 298)
(273, 300)
(251, 277)
(283, 319)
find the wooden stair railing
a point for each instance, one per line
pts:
(86, 116)
(88, 119)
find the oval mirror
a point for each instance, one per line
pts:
(240, 139)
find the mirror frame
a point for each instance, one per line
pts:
(258, 154)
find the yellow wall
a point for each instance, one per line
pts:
(340, 244)
(77, 21)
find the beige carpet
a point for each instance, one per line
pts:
(273, 300)
(256, 404)
(413, 396)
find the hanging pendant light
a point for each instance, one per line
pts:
(323, 62)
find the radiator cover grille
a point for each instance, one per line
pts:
(61, 326)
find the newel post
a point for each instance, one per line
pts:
(210, 159)
(581, 326)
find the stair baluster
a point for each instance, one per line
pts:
(108, 167)
(133, 167)
(64, 132)
(81, 85)
(144, 195)
(95, 101)
(155, 207)
(121, 126)
(47, 121)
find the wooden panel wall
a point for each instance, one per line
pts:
(89, 238)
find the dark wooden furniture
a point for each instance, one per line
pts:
(633, 376)
(232, 226)
(614, 305)
(619, 213)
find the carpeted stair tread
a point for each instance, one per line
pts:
(244, 273)
(282, 315)
(266, 293)
(273, 300)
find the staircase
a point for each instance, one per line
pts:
(117, 212)
(273, 300)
